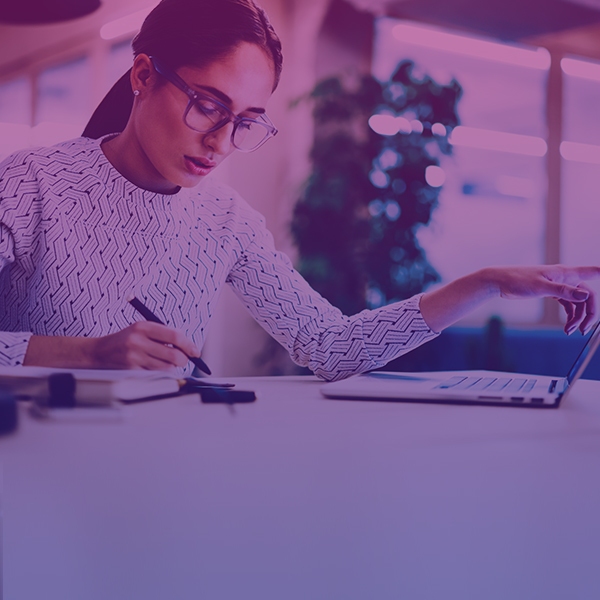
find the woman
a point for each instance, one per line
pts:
(87, 222)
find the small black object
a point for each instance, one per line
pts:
(192, 385)
(61, 390)
(8, 412)
(223, 396)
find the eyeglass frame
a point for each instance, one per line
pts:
(195, 97)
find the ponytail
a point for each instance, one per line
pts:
(112, 114)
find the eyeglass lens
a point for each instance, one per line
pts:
(204, 115)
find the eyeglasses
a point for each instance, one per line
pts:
(204, 114)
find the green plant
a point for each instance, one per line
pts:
(372, 186)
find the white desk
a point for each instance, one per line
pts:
(298, 497)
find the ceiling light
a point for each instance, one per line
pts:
(538, 58)
(581, 68)
(486, 139)
(585, 153)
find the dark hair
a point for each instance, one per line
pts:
(187, 32)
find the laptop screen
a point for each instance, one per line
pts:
(585, 355)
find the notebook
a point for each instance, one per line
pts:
(466, 387)
(86, 386)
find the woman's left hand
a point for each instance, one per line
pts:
(566, 284)
(450, 303)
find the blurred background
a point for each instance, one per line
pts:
(484, 147)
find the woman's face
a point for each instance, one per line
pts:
(170, 153)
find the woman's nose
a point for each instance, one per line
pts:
(219, 141)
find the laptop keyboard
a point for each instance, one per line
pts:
(508, 385)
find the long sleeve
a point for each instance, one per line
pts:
(316, 334)
(13, 346)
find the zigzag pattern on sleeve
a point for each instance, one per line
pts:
(316, 334)
(76, 238)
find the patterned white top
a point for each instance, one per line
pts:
(76, 238)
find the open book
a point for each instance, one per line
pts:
(86, 386)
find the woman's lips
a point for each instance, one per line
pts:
(199, 166)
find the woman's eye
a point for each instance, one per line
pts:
(209, 109)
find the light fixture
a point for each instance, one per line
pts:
(430, 37)
(386, 124)
(486, 139)
(435, 176)
(585, 153)
(581, 68)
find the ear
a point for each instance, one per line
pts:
(143, 75)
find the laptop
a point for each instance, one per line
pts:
(466, 387)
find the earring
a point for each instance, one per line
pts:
(136, 92)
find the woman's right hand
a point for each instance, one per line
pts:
(143, 345)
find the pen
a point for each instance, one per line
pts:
(150, 316)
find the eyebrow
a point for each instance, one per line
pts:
(227, 100)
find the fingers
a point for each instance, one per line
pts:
(566, 284)
(590, 314)
(166, 335)
(149, 355)
(169, 356)
(576, 318)
(584, 273)
(580, 314)
(570, 312)
(579, 302)
(570, 293)
(144, 345)
(570, 275)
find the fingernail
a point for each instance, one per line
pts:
(580, 295)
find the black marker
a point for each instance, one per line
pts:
(150, 316)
